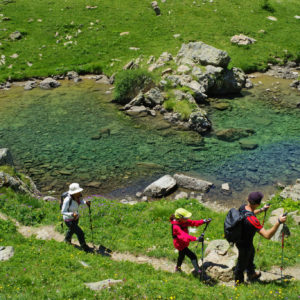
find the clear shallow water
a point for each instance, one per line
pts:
(50, 136)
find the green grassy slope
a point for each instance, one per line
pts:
(99, 40)
(52, 270)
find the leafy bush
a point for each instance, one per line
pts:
(288, 204)
(130, 82)
(184, 107)
(169, 104)
(267, 6)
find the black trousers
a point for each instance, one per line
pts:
(74, 228)
(190, 254)
(245, 262)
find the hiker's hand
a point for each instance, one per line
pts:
(266, 207)
(207, 220)
(282, 219)
(75, 215)
(200, 238)
(88, 203)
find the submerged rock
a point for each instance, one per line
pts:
(199, 122)
(248, 144)
(233, 134)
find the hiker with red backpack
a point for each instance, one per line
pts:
(249, 225)
(181, 239)
(69, 210)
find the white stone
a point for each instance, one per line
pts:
(6, 252)
(225, 187)
(271, 18)
(181, 195)
(96, 286)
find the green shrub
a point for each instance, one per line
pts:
(169, 104)
(129, 83)
(287, 204)
(185, 108)
(267, 6)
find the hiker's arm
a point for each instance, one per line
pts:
(268, 233)
(265, 208)
(64, 209)
(183, 235)
(195, 223)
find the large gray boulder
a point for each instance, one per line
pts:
(192, 183)
(161, 187)
(18, 185)
(199, 122)
(292, 191)
(6, 157)
(6, 252)
(201, 53)
(49, 83)
(220, 259)
(29, 85)
(154, 97)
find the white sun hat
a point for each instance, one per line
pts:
(74, 188)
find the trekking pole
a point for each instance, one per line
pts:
(263, 222)
(202, 251)
(91, 226)
(282, 247)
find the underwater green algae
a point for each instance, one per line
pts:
(75, 133)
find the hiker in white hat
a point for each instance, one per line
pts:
(71, 201)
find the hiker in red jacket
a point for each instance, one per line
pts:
(181, 238)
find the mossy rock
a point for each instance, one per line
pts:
(233, 134)
(248, 144)
(220, 106)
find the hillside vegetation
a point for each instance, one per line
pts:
(58, 36)
(52, 270)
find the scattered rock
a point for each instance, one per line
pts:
(155, 7)
(271, 18)
(6, 252)
(177, 35)
(181, 195)
(93, 184)
(15, 35)
(292, 191)
(192, 183)
(84, 264)
(6, 157)
(49, 198)
(15, 55)
(29, 85)
(183, 69)
(199, 122)
(134, 48)
(139, 195)
(166, 71)
(225, 188)
(248, 84)
(91, 7)
(242, 40)
(49, 83)
(103, 79)
(297, 17)
(220, 260)
(97, 286)
(140, 111)
(161, 187)
(200, 53)
(124, 33)
(18, 185)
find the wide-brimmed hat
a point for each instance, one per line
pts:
(182, 213)
(74, 188)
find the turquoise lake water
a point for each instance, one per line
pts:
(51, 135)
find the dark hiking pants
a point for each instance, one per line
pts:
(191, 255)
(245, 262)
(74, 228)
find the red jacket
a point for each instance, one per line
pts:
(181, 238)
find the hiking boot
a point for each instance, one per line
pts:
(178, 270)
(254, 276)
(197, 274)
(87, 249)
(68, 242)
